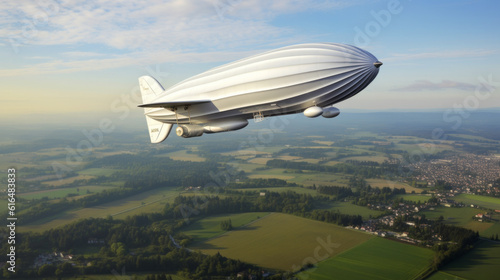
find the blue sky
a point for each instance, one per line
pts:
(84, 57)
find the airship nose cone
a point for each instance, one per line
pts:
(377, 64)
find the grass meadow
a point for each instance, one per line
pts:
(145, 202)
(352, 209)
(117, 274)
(63, 192)
(285, 242)
(481, 263)
(482, 201)
(380, 183)
(463, 217)
(207, 228)
(377, 258)
(298, 190)
(415, 197)
(184, 156)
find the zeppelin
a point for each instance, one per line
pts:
(305, 78)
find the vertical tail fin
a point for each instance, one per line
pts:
(150, 89)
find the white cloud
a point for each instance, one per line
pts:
(265, 9)
(79, 54)
(425, 85)
(175, 24)
(156, 30)
(440, 54)
(117, 61)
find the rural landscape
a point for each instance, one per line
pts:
(371, 195)
(250, 140)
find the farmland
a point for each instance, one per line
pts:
(483, 201)
(377, 258)
(380, 183)
(352, 209)
(115, 275)
(281, 189)
(210, 227)
(415, 198)
(455, 216)
(185, 156)
(146, 177)
(463, 217)
(63, 192)
(481, 263)
(146, 202)
(283, 242)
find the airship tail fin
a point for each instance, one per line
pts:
(158, 131)
(150, 89)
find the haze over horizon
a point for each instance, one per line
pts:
(63, 57)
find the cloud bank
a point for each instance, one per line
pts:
(121, 33)
(425, 85)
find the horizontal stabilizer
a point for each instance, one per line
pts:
(173, 104)
(158, 131)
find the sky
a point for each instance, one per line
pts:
(75, 60)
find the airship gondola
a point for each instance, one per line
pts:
(305, 78)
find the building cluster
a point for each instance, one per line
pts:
(464, 170)
(410, 211)
(53, 258)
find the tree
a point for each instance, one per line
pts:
(46, 270)
(119, 249)
(226, 225)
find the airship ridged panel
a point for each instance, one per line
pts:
(285, 65)
(291, 78)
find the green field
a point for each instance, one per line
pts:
(452, 215)
(463, 217)
(377, 258)
(310, 178)
(116, 274)
(379, 159)
(210, 227)
(184, 156)
(440, 275)
(97, 171)
(483, 201)
(415, 197)
(481, 263)
(353, 209)
(298, 190)
(285, 242)
(271, 173)
(494, 229)
(69, 180)
(63, 192)
(380, 183)
(424, 145)
(145, 202)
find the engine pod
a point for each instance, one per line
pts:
(313, 112)
(330, 112)
(189, 130)
(222, 126)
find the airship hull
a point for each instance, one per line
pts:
(283, 81)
